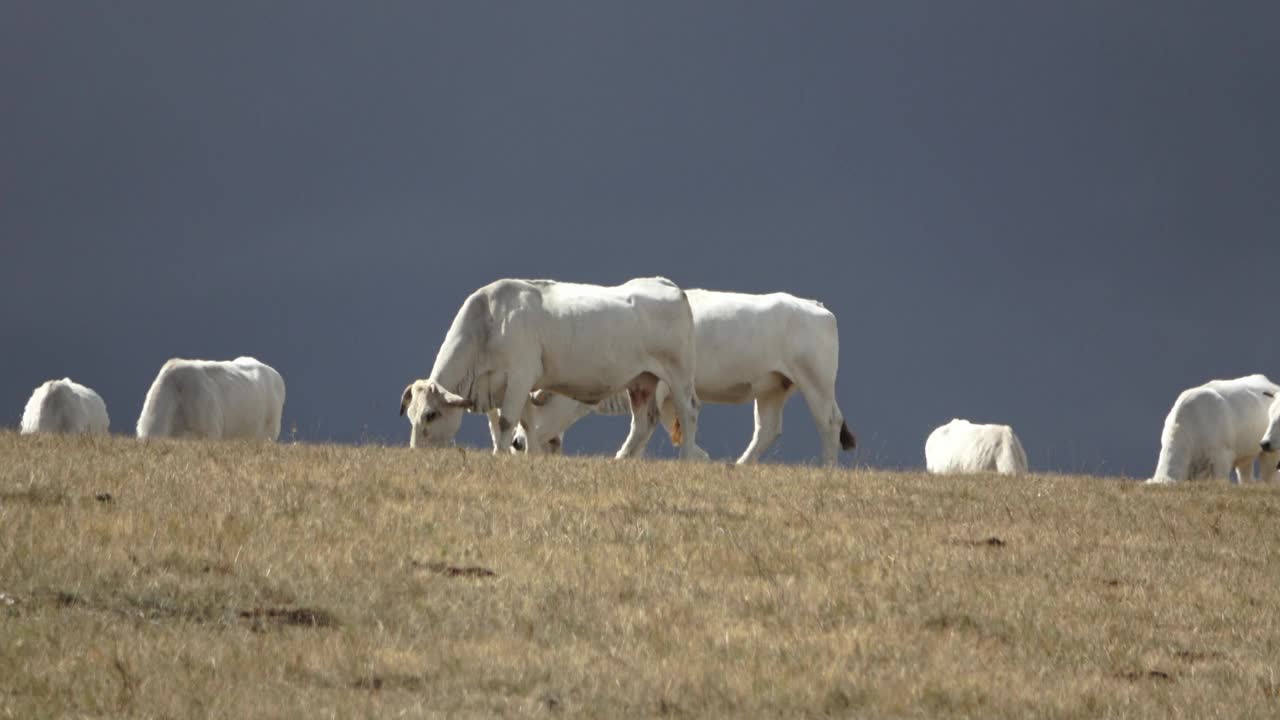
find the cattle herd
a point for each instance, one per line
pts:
(241, 398)
(536, 356)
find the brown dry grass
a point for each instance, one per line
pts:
(238, 580)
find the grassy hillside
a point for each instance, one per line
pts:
(237, 580)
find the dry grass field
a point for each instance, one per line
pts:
(243, 580)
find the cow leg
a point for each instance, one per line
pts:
(1267, 466)
(671, 421)
(667, 415)
(826, 416)
(768, 425)
(273, 427)
(687, 408)
(509, 414)
(495, 433)
(680, 416)
(1244, 471)
(644, 415)
(523, 434)
(214, 422)
(1221, 464)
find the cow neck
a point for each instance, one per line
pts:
(455, 368)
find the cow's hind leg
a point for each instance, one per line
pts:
(675, 430)
(201, 421)
(768, 423)
(826, 416)
(1221, 464)
(1244, 471)
(1267, 466)
(685, 400)
(644, 414)
(272, 429)
(667, 415)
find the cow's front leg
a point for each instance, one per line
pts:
(508, 416)
(495, 433)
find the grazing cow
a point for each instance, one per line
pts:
(548, 416)
(963, 447)
(65, 406)
(758, 348)
(512, 337)
(1218, 426)
(214, 399)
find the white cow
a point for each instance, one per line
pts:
(964, 447)
(512, 337)
(65, 406)
(1216, 427)
(758, 348)
(548, 416)
(214, 399)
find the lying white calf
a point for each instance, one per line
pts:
(1218, 426)
(963, 447)
(214, 399)
(65, 406)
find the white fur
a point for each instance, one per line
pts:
(1216, 427)
(548, 423)
(757, 348)
(963, 447)
(214, 399)
(65, 406)
(587, 342)
(1271, 439)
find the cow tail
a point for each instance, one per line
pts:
(847, 440)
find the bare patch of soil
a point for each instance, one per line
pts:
(1195, 656)
(992, 541)
(301, 617)
(1138, 675)
(373, 683)
(445, 569)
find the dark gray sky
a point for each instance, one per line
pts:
(1055, 215)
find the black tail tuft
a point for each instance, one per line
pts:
(847, 440)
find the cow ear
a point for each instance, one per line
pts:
(539, 397)
(406, 398)
(455, 401)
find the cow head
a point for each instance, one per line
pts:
(434, 412)
(520, 442)
(1271, 439)
(544, 420)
